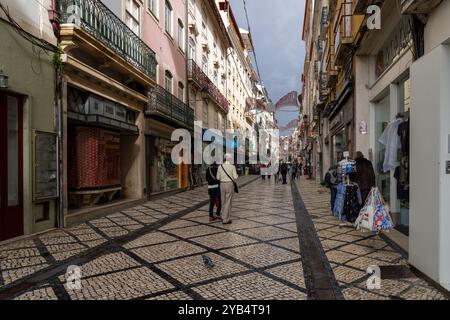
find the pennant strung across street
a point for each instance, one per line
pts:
(289, 100)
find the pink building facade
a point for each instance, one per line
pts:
(164, 31)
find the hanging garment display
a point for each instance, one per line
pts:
(352, 204)
(340, 200)
(374, 216)
(391, 140)
(348, 202)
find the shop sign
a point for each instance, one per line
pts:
(337, 121)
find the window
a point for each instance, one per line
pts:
(204, 24)
(133, 16)
(216, 121)
(205, 114)
(192, 49)
(157, 72)
(168, 81)
(216, 78)
(180, 35)
(168, 18)
(153, 7)
(205, 64)
(192, 7)
(181, 91)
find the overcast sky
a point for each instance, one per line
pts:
(276, 27)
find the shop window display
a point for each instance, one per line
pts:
(165, 172)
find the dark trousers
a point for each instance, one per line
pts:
(333, 197)
(213, 194)
(284, 178)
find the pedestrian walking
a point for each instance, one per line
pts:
(262, 171)
(277, 173)
(331, 182)
(294, 171)
(227, 176)
(215, 198)
(364, 176)
(284, 171)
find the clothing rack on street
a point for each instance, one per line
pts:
(348, 199)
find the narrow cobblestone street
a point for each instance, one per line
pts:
(283, 244)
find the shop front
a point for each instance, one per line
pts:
(163, 175)
(101, 140)
(340, 138)
(391, 116)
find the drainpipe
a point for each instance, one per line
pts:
(54, 17)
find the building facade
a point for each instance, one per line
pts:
(28, 148)
(208, 42)
(109, 72)
(165, 32)
(369, 80)
(430, 144)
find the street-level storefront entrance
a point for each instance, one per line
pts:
(162, 174)
(11, 171)
(393, 183)
(100, 145)
(341, 129)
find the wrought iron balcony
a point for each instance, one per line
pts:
(165, 105)
(343, 33)
(196, 74)
(96, 19)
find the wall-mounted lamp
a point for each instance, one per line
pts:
(3, 79)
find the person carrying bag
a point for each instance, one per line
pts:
(227, 176)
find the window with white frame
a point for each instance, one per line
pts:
(168, 81)
(205, 114)
(180, 35)
(192, 7)
(216, 121)
(153, 7)
(204, 24)
(216, 78)
(205, 64)
(168, 18)
(192, 49)
(181, 91)
(133, 16)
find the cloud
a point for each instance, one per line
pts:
(276, 30)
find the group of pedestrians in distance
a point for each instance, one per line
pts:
(295, 170)
(221, 188)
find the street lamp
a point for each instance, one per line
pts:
(3, 79)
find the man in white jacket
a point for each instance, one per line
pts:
(227, 174)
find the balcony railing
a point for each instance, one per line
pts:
(166, 105)
(197, 75)
(343, 33)
(96, 19)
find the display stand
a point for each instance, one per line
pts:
(346, 167)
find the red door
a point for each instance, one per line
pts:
(11, 176)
